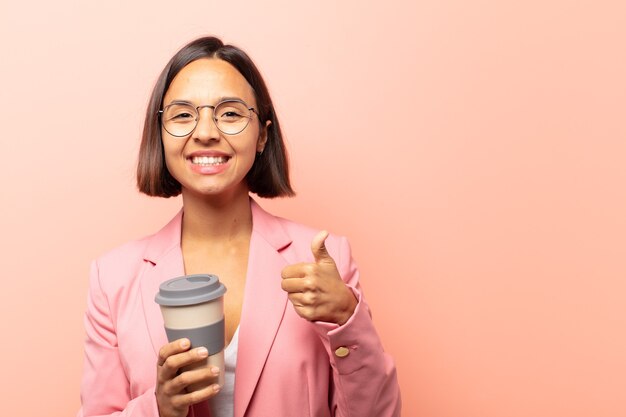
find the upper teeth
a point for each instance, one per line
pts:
(210, 160)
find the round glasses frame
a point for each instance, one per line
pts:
(215, 120)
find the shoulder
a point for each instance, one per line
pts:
(302, 235)
(124, 254)
(125, 261)
(117, 266)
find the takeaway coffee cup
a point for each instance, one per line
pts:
(193, 307)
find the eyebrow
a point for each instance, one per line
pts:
(219, 100)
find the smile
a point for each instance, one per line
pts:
(209, 160)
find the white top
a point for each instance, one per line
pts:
(223, 403)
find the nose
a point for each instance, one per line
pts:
(206, 129)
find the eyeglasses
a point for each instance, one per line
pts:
(230, 116)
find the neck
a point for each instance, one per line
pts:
(216, 219)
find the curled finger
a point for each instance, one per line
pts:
(198, 396)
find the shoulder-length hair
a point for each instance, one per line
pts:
(269, 175)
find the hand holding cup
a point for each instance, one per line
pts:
(175, 391)
(190, 367)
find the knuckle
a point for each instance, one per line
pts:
(177, 402)
(195, 397)
(168, 390)
(162, 388)
(163, 354)
(160, 380)
(182, 380)
(308, 313)
(309, 284)
(310, 298)
(170, 363)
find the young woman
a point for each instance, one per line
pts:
(300, 339)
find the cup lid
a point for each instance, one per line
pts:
(189, 290)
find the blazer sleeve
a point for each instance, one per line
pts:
(364, 381)
(105, 387)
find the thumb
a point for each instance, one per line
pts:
(318, 247)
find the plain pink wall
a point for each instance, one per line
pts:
(473, 152)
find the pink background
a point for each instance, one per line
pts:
(472, 151)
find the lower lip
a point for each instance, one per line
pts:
(208, 169)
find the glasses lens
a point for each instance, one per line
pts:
(232, 117)
(179, 119)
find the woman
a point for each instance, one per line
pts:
(211, 134)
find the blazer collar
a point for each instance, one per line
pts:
(263, 223)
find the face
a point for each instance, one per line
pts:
(207, 161)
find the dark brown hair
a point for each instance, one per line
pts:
(269, 175)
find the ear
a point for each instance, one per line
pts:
(260, 144)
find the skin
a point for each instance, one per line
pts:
(216, 230)
(316, 289)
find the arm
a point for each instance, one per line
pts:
(364, 376)
(105, 389)
(327, 293)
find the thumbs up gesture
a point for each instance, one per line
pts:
(316, 289)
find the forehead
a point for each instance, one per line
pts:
(207, 81)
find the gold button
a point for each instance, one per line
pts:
(342, 352)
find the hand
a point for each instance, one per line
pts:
(173, 393)
(316, 290)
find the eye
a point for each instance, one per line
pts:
(230, 114)
(180, 113)
(183, 116)
(226, 111)
(231, 111)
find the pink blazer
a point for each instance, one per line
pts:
(286, 366)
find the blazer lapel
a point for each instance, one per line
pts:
(264, 300)
(164, 261)
(264, 303)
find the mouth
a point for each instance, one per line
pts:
(208, 161)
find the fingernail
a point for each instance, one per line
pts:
(184, 343)
(216, 388)
(202, 352)
(215, 370)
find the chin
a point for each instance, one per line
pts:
(216, 190)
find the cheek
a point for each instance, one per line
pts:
(250, 151)
(171, 152)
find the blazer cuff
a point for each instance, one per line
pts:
(354, 344)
